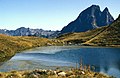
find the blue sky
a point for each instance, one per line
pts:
(47, 14)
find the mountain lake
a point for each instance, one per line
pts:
(105, 60)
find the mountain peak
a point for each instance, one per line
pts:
(119, 16)
(94, 6)
(118, 19)
(106, 10)
(90, 18)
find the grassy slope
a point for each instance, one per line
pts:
(9, 45)
(104, 36)
(81, 37)
(109, 37)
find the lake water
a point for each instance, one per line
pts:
(105, 60)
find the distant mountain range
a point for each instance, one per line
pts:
(22, 31)
(90, 18)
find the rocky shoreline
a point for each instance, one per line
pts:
(42, 73)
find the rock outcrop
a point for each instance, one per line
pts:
(90, 18)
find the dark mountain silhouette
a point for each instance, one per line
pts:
(90, 18)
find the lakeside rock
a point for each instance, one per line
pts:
(39, 73)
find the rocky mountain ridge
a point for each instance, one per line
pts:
(22, 31)
(90, 18)
(102, 36)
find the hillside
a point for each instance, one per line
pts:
(79, 38)
(9, 45)
(103, 36)
(109, 37)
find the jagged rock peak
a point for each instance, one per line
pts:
(106, 10)
(95, 6)
(92, 8)
(118, 17)
(88, 19)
